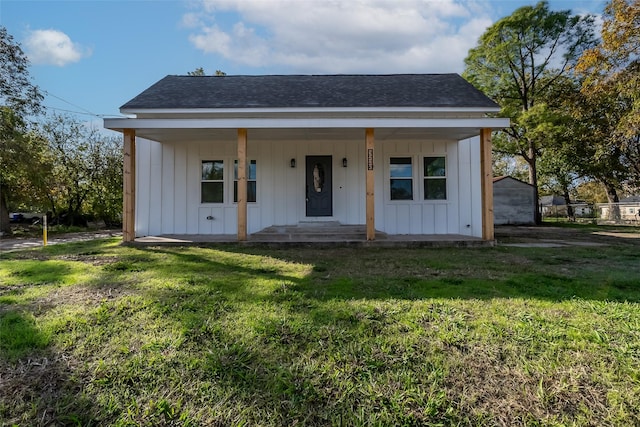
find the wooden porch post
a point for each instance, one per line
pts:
(370, 184)
(129, 186)
(242, 184)
(487, 184)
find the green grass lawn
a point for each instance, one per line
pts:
(96, 333)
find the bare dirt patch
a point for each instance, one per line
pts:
(42, 388)
(486, 383)
(89, 259)
(550, 236)
(85, 295)
(80, 295)
(12, 243)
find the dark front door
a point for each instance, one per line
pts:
(319, 197)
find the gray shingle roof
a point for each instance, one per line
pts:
(552, 201)
(308, 91)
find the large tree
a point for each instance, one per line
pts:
(598, 150)
(71, 149)
(19, 98)
(105, 199)
(519, 62)
(609, 109)
(85, 179)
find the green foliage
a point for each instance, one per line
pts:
(507, 165)
(519, 58)
(197, 72)
(200, 72)
(591, 192)
(17, 92)
(609, 107)
(18, 98)
(523, 62)
(597, 150)
(86, 175)
(63, 166)
(105, 199)
(23, 167)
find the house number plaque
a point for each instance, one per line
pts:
(370, 159)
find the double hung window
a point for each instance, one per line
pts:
(435, 178)
(212, 181)
(251, 181)
(401, 178)
(433, 175)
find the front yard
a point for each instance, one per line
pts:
(95, 333)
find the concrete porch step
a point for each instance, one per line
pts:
(315, 231)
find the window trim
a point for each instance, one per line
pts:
(412, 178)
(234, 181)
(202, 181)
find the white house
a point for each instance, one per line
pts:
(553, 205)
(216, 155)
(626, 211)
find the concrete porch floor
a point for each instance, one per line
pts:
(320, 234)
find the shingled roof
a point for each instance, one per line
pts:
(311, 91)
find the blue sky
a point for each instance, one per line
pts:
(92, 56)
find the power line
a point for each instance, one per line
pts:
(70, 103)
(71, 111)
(84, 110)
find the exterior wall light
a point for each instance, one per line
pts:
(344, 162)
(293, 163)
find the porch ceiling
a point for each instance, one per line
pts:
(301, 134)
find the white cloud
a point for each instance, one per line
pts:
(53, 47)
(335, 36)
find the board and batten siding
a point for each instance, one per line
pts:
(460, 213)
(168, 187)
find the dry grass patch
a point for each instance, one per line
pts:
(492, 384)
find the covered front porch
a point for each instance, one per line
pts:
(362, 185)
(239, 158)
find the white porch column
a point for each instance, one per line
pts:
(129, 186)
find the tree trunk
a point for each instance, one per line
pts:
(53, 213)
(533, 180)
(567, 201)
(612, 198)
(5, 224)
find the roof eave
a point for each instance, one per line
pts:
(310, 110)
(297, 123)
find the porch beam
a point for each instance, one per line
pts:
(487, 184)
(129, 186)
(370, 184)
(242, 184)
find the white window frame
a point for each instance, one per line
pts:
(424, 177)
(388, 177)
(234, 180)
(223, 180)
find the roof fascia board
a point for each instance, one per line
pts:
(178, 111)
(311, 123)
